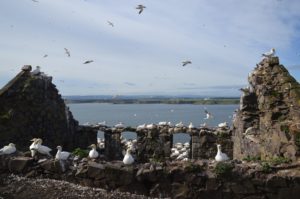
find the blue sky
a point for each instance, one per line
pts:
(142, 54)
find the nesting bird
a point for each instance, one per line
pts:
(223, 125)
(9, 149)
(269, 54)
(128, 159)
(93, 154)
(61, 155)
(41, 148)
(119, 125)
(220, 156)
(191, 125)
(141, 8)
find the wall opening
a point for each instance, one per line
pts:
(181, 145)
(129, 141)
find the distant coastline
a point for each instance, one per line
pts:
(164, 100)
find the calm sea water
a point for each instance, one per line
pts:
(136, 114)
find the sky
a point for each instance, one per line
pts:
(142, 54)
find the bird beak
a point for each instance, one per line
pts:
(32, 140)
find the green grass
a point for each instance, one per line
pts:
(223, 169)
(266, 168)
(252, 158)
(80, 152)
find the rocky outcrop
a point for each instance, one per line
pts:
(267, 124)
(31, 106)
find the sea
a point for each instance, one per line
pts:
(137, 114)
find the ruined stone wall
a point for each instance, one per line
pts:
(31, 106)
(196, 179)
(267, 125)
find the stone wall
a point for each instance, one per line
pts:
(195, 179)
(267, 125)
(31, 106)
(156, 143)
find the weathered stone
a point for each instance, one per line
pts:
(19, 164)
(95, 170)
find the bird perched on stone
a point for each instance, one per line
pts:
(93, 154)
(128, 159)
(184, 63)
(41, 148)
(220, 156)
(88, 61)
(269, 54)
(61, 155)
(191, 126)
(32, 147)
(36, 71)
(9, 149)
(67, 52)
(141, 8)
(245, 90)
(110, 23)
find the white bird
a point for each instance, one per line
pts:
(223, 125)
(269, 54)
(163, 123)
(191, 125)
(184, 63)
(140, 127)
(93, 153)
(32, 147)
(9, 149)
(41, 148)
(208, 115)
(67, 52)
(110, 23)
(150, 126)
(36, 71)
(179, 125)
(170, 124)
(141, 8)
(119, 125)
(221, 156)
(128, 159)
(102, 123)
(61, 155)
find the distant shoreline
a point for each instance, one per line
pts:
(211, 101)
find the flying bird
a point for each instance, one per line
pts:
(67, 52)
(88, 61)
(45, 56)
(186, 62)
(141, 8)
(208, 115)
(110, 23)
(35, 1)
(269, 54)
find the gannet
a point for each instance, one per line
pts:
(88, 61)
(163, 123)
(9, 149)
(36, 71)
(102, 123)
(93, 153)
(141, 8)
(269, 54)
(140, 127)
(32, 147)
(170, 124)
(191, 125)
(41, 148)
(150, 126)
(45, 56)
(119, 125)
(208, 115)
(179, 125)
(67, 52)
(61, 155)
(222, 125)
(220, 156)
(128, 159)
(110, 23)
(184, 63)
